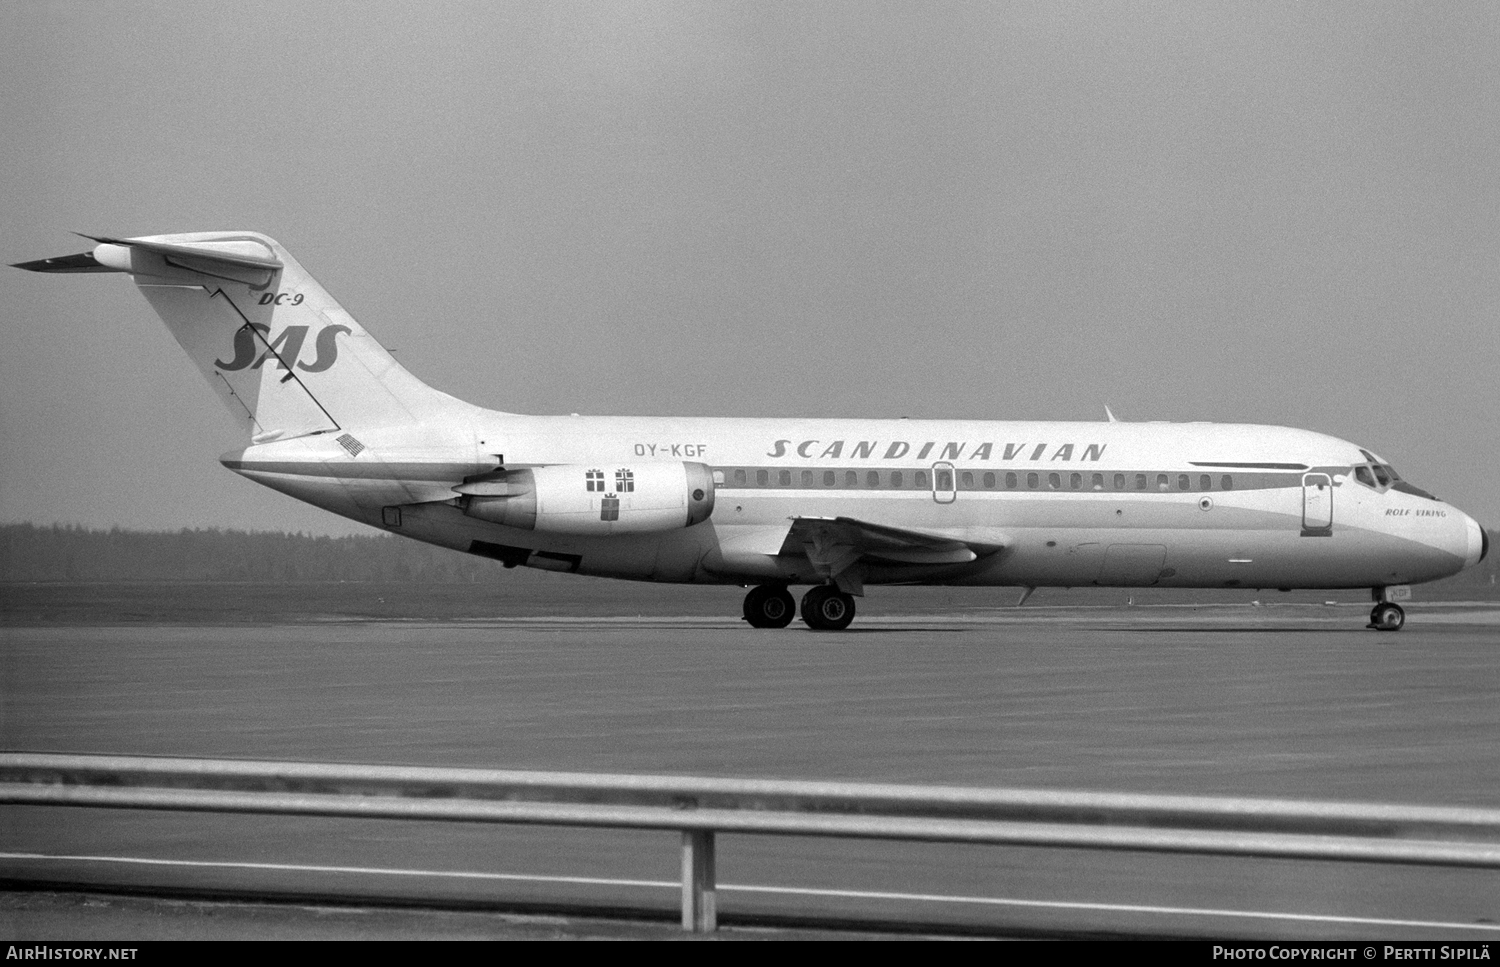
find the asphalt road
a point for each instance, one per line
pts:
(1287, 701)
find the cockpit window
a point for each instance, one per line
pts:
(1382, 477)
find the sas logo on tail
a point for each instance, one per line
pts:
(253, 346)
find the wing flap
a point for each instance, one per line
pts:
(841, 547)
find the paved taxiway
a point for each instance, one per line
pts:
(1295, 701)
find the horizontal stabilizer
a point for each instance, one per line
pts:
(244, 260)
(282, 355)
(82, 262)
(247, 253)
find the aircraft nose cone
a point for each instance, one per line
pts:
(1479, 542)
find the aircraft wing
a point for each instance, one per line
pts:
(840, 547)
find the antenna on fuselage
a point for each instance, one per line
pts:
(1112, 417)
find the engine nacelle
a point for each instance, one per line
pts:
(584, 499)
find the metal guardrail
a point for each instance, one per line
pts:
(699, 808)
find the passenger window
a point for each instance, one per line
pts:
(1205, 482)
(944, 480)
(785, 478)
(989, 481)
(851, 479)
(872, 479)
(896, 479)
(968, 479)
(1119, 481)
(1054, 481)
(1226, 482)
(1098, 481)
(829, 477)
(762, 477)
(920, 480)
(1161, 483)
(739, 476)
(1140, 481)
(1363, 475)
(1033, 480)
(1076, 481)
(1010, 481)
(807, 478)
(718, 478)
(1183, 483)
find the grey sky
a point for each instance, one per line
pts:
(1239, 212)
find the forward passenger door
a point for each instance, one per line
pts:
(1317, 505)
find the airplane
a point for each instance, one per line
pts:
(836, 504)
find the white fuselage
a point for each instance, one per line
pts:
(1061, 504)
(335, 420)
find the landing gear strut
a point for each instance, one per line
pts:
(769, 606)
(826, 608)
(1387, 617)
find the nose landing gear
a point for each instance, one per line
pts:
(1387, 617)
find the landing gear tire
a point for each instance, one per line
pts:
(769, 606)
(1387, 617)
(827, 608)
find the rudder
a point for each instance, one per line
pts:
(283, 356)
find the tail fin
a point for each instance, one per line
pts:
(284, 357)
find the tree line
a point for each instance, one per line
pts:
(72, 553)
(59, 552)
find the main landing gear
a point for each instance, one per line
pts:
(1387, 617)
(769, 606)
(824, 608)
